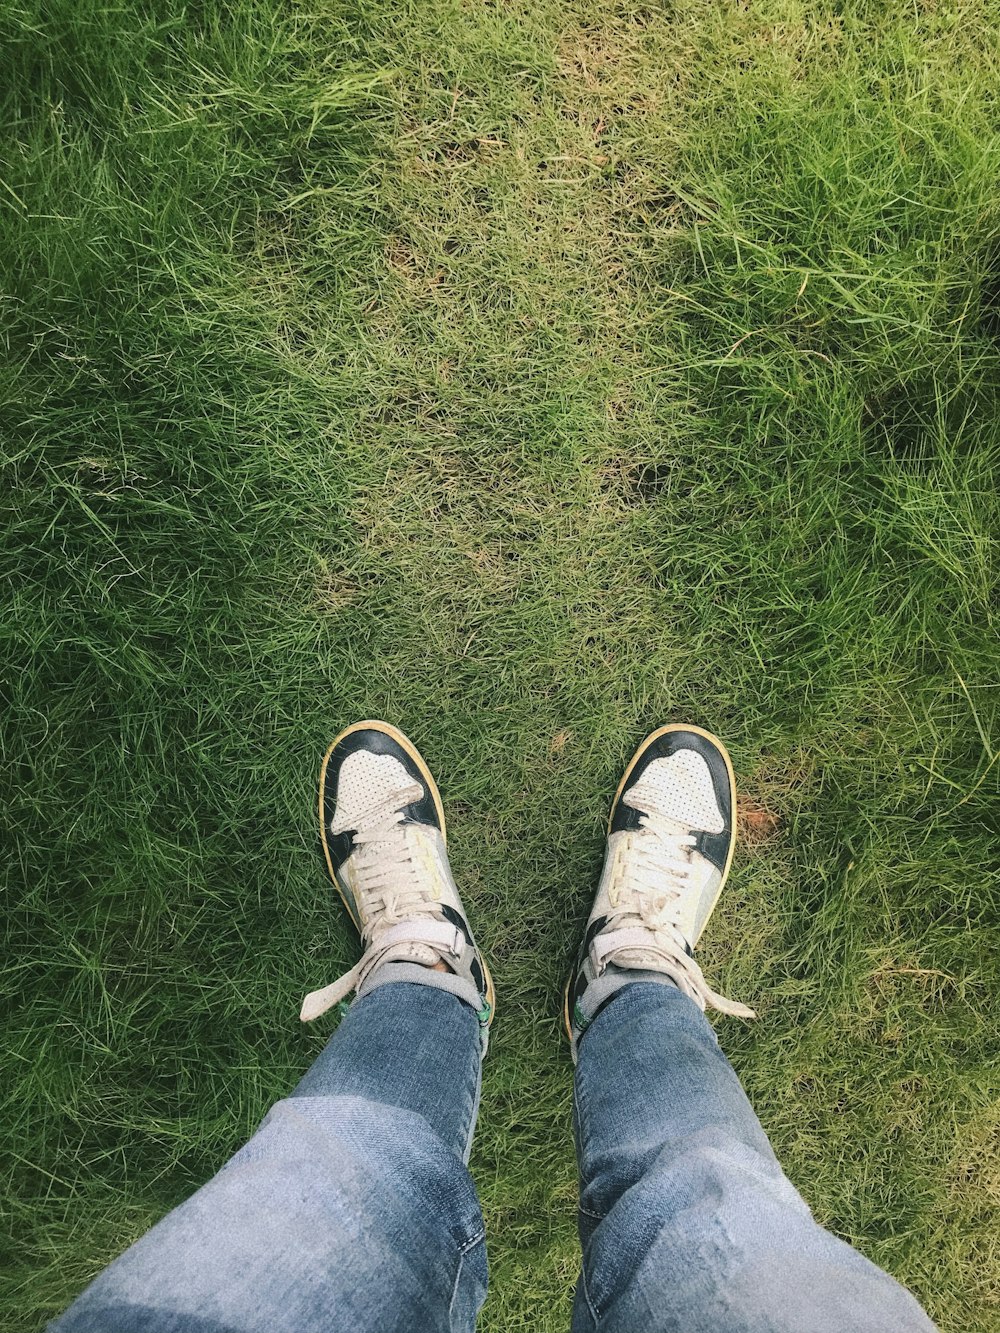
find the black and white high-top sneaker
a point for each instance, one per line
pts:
(670, 845)
(384, 841)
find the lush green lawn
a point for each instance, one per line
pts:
(529, 376)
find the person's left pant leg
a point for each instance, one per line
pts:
(349, 1211)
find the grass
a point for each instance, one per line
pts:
(528, 375)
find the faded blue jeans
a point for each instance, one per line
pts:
(351, 1209)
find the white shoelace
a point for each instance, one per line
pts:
(400, 897)
(650, 876)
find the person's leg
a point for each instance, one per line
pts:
(686, 1220)
(351, 1209)
(687, 1223)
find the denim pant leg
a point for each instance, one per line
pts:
(687, 1223)
(349, 1211)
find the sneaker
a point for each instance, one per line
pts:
(383, 832)
(670, 845)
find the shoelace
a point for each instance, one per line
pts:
(399, 899)
(649, 899)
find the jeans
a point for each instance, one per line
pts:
(351, 1209)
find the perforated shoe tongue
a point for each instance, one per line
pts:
(679, 788)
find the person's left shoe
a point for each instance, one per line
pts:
(384, 842)
(670, 845)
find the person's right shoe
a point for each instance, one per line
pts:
(670, 845)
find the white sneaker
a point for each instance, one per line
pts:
(670, 845)
(383, 831)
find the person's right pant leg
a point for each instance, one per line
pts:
(349, 1211)
(687, 1222)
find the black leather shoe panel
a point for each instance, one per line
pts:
(579, 984)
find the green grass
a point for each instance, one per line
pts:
(529, 376)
